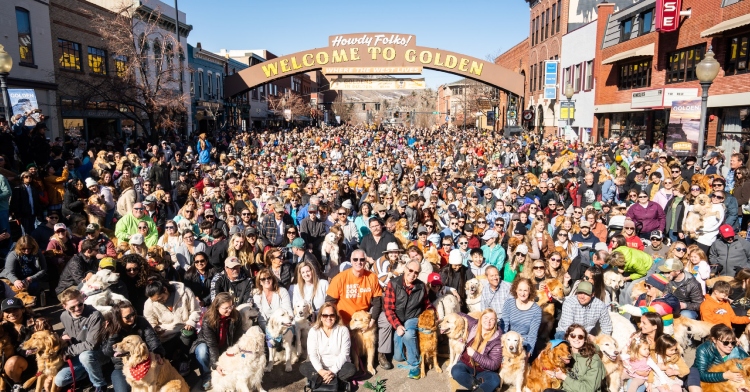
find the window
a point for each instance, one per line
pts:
(737, 55)
(682, 64)
(541, 24)
(536, 30)
(158, 55)
(626, 29)
(70, 55)
(559, 8)
(121, 66)
(540, 75)
(588, 82)
(200, 84)
(635, 75)
(554, 15)
(209, 84)
(645, 20)
(192, 84)
(98, 61)
(546, 23)
(577, 78)
(532, 71)
(218, 85)
(23, 21)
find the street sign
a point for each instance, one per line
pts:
(550, 92)
(567, 110)
(435, 112)
(668, 15)
(550, 73)
(528, 115)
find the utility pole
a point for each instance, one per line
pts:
(465, 105)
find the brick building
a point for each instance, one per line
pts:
(639, 70)
(517, 60)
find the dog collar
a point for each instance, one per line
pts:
(425, 331)
(242, 353)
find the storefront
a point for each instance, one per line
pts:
(98, 120)
(734, 135)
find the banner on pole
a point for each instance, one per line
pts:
(23, 101)
(684, 127)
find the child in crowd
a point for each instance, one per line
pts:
(698, 266)
(668, 365)
(636, 366)
(716, 308)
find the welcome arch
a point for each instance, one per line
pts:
(374, 54)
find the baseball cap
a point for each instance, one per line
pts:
(107, 262)
(208, 212)
(11, 303)
(297, 243)
(656, 234)
(312, 208)
(92, 227)
(251, 231)
(421, 229)
(402, 203)
(725, 230)
(453, 209)
(150, 199)
(235, 230)
(489, 234)
(519, 229)
(585, 224)
(468, 227)
(434, 278)
(231, 262)
(60, 226)
(671, 265)
(585, 288)
(136, 239)
(278, 207)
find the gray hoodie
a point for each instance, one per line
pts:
(85, 332)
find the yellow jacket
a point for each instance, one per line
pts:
(55, 187)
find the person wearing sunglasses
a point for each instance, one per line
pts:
(588, 370)
(721, 346)
(234, 279)
(128, 225)
(584, 309)
(327, 347)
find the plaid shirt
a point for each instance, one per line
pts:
(389, 299)
(596, 312)
(268, 230)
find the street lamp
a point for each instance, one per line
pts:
(6, 64)
(706, 71)
(569, 94)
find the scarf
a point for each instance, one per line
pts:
(223, 329)
(28, 265)
(140, 370)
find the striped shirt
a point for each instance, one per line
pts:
(525, 322)
(589, 316)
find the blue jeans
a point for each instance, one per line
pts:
(464, 376)
(119, 382)
(204, 359)
(691, 314)
(409, 339)
(86, 363)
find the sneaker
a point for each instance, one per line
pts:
(384, 362)
(414, 373)
(184, 368)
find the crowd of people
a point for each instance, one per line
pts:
(347, 219)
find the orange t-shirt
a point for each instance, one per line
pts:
(354, 293)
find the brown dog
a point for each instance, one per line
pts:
(552, 291)
(735, 365)
(455, 327)
(428, 340)
(143, 372)
(363, 339)
(49, 358)
(551, 358)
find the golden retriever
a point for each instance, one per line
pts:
(279, 328)
(363, 339)
(302, 313)
(744, 340)
(26, 298)
(47, 347)
(161, 377)
(428, 340)
(514, 361)
(734, 365)
(610, 353)
(553, 291)
(551, 358)
(473, 295)
(455, 327)
(242, 364)
(685, 329)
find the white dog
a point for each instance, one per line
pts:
(97, 292)
(302, 312)
(447, 304)
(622, 330)
(614, 282)
(279, 335)
(513, 368)
(329, 249)
(248, 313)
(474, 295)
(242, 364)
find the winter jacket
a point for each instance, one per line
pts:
(85, 332)
(204, 155)
(586, 375)
(210, 336)
(637, 262)
(241, 289)
(185, 310)
(707, 355)
(649, 218)
(732, 212)
(667, 307)
(128, 225)
(159, 174)
(688, 291)
(201, 288)
(141, 328)
(71, 204)
(716, 312)
(742, 194)
(75, 270)
(55, 187)
(674, 214)
(730, 255)
(491, 358)
(13, 271)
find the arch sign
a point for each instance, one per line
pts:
(374, 54)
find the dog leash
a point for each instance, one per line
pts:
(72, 374)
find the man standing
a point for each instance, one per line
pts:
(589, 192)
(404, 300)
(82, 331)
(300, 254)
(586, 310)
(683, 286)
(160, 172)
(158, 215)
(25, 203)
(313, 229)
(128, 225)
(714, 161)
(5, 193)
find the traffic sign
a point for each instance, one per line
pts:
(528, 115)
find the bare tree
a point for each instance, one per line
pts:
(144, 85)
(289, 101)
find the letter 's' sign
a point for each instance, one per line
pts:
(668, 15)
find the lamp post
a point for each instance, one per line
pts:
(706, 71)
(6, 64)
(569, 94)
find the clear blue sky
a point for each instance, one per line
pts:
(475, 28)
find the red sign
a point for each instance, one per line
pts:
(668, 15)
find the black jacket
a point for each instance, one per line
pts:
(75, 271)
(71, 204)
(160, 174)
(201, 289)
(217, 253)
(20, 206)
(241, 289)
(688, 291)
(141, 328)
(210, 336)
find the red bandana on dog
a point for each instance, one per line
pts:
(139, 371)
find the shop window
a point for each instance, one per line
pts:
(25, 48)
(70, 55)
(588, 83)
(645, 20)
(735, 130)
(737, 55)
(626, 30)
(682, 63)
(98, 61)
(635, 75)
(121, 66)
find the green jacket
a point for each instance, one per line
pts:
(707, 355)
(637, 262)
(585, 376)
(128, 225)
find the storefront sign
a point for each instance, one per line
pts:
(678, 94)
(668, 15)
(684, 124)
(647, 99)
(550, 73)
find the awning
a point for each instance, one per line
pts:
(647, 50)
(727, 25)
